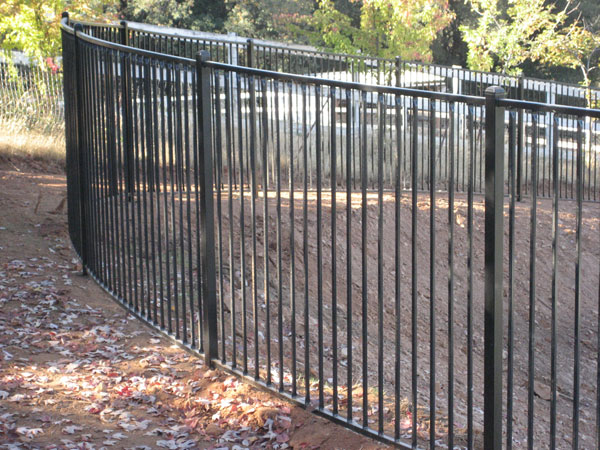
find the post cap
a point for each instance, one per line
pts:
(203, 55)
(123, 23)
(65, 15)
(495, 92)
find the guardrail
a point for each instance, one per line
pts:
(325, 240)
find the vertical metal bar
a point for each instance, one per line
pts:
(240, 128)
(532, 283)
(380, 335)
(494, 235)
(470, 182)
(127, 114)
(521, 140)
(91, 161)
(81, 153)
(218, 187)
(189, 142)
(231, 181)
(97, 167)
(292, 241)
(398, 264)
(204, 153)
(349, 243)
(555, 232)
(153, 149)
(577, 306)
(451, 219)
(146, 143)
(414, 262)
(175, 161)
(279, 248)
(512, 144)
(318, 150)
(364, 262)
(432, 260)
(123, 243)
(250, 53)
(159, 188)
(112, 189)
(253, 191)
(265, 137)
(305, 244)
(167, 143)
(333, 181)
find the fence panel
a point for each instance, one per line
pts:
(552, 282)
(327, 240)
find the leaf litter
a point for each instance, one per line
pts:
(76, 371)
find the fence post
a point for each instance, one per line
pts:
(127, 113)
(80, 152)
(494, 234)
(521, 140)
(250, 53)
(207, 218)
(398, 65)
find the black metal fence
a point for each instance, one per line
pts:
(328, 241)
(395, 72)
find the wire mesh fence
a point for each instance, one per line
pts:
(32, 98)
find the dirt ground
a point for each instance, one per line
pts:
(422, 314)
(252, 317)
(39, 221)
(77, 371)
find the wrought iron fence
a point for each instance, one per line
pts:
(326, 239)
(393, 72)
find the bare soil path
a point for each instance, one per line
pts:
(77, 371)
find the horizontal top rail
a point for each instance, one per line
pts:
(124, 48)
(474, 75)
(307, 79)
(545, 107)
(69, 26)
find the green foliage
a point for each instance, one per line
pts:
(205, 15)
(387, 28)
(268, 19)
(33, 26)
(404, 28)
(449, 48)
(334, 29)
(172, 13)
(577, 46)
(503, 39)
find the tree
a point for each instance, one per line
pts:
(503, 39)
(578, 47)
(449, 48)
(388, 28)
(267, 19)
(33, 26)
(205, 15)
(404, 28)
(332, 29)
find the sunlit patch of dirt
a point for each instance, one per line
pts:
(77, 371)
